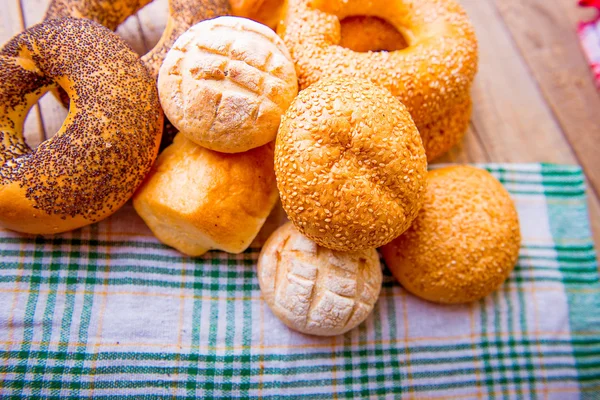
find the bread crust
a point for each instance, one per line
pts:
(432, 76)
(350, 165)
(107, 143)
(196, 199)
(226, 82)
(315, 290)
(465, 241)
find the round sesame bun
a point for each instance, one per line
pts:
(432, 76)
(226, 82)
(350, 165)
(107, 143)
(465, 241)
(316, 290)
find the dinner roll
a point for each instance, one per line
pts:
(195, 199)
(315, 290)
(350, 165)
(226, 82)
(465, 241)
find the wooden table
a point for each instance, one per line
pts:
(534, 99)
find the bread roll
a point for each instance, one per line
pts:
(350, 165)
(226, 82)
(465, 241)
(315, 290)
(195, 199)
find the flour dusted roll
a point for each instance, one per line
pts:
(196, 199)
(315, 290)
(226, 82)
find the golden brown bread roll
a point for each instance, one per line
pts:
(226, 82)
(350, 165)
(107, 143)
(315, 290)
(195, 199)
(465, 241)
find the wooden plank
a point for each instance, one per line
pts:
(131, 32)
(511, 114)
(469, 150)
(545, 33)
(152, 20)
(12, 22)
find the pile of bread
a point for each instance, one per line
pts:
(347, 156)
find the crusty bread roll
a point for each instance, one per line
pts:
(350, 164)
(195, 199)
(315, 290)
(226, 82)
(465, 241)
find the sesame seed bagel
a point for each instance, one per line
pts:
(465, 241)
(432, 76)
(107, 143)
(111, 13)
(350, 164)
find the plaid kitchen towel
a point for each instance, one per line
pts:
(108, 312)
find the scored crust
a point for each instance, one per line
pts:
(226, 82)
(350, 165)
(315, 290)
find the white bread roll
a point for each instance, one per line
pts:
(196, 199)
(315, 290)
(226, 82)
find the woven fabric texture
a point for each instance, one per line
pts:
(108, 312)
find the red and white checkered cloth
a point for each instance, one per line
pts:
(589, 34)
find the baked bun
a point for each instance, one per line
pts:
(465, 241)
(226, 82)
(195, 199)
(350, 165)
(315, 290)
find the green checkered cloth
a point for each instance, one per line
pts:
(109, 312)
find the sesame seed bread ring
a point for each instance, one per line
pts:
(315, 290)
(465, 241)
(350, 164)
(432, 76)
(111, 13)
(107, 143)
